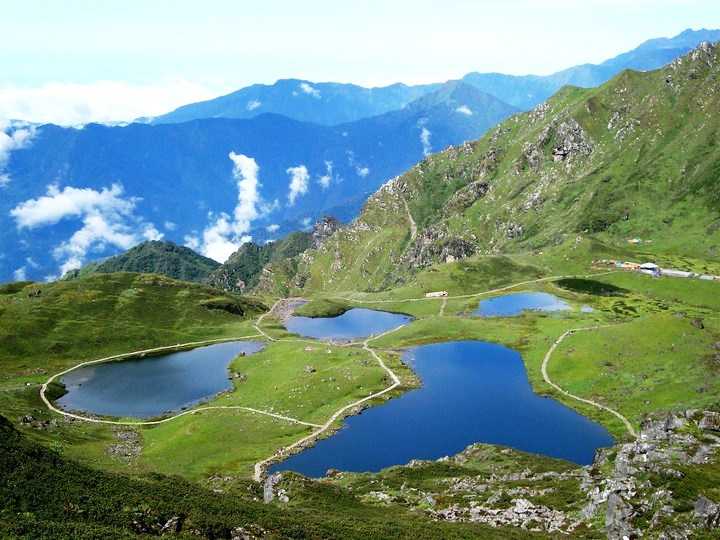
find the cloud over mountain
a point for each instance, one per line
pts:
(226, 234)
(299, 181)
(107, 219)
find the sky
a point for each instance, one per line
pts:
(75, 61)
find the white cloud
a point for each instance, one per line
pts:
(170, 226)
(97, 232)
(192, 241)
(226, 234)
(272, 228)
(107, 220)
(20, 274)
(360, 170)
(13, 136)
(464, 109)
(151, 233)
(425, 140)
(253, 104)
(70, 202)
(326, 178)
(220, 240)
(299, 180)
(101, 101)
(310, 90)
(306, 223)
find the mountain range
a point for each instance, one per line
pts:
(70, 196)
(332, 103)
(633, 161)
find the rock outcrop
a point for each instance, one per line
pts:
(324, 229)
(436, 244)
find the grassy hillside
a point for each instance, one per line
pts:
(155, 257)
(636, 158)
(47, 496)
(49, 325)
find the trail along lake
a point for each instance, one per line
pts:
(154, 385)
(472, 391)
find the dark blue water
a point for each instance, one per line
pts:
(147, 387)
(508, 305)
(472, 392)
(353, 324)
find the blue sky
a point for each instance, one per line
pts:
(82, 60)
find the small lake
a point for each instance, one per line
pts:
(472, 392)
(155, 385)
(512, 304)
(353, 324)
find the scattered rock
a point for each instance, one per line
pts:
(128, 447)
(707, 512)
(710, 421)
(698, 323)
(172, 526)
(269, 492)
(618, 518)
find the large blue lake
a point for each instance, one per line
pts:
(512, 304)
(155, 385)
(472, 392)
(353, 324)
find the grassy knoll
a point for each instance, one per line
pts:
(305, 380)
(48, 496)
(322, 307)
(675, 291)
(51, 326)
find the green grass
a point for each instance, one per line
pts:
(655, 363)
(322, 307)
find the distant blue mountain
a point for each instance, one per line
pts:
(333, 103)
(322, 103)
(181, 172)
(525, 92)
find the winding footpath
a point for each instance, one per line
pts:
(320, 429)
(48, 403)
(473, 295)
(547, 379)
(261, 466)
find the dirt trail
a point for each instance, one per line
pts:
(48, 403)
(547, 379)
(413, 225)
(261, 466)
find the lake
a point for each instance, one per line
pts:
(154, 385)
(509, 305)
(353, 324)
(472, 392)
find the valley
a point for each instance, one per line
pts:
(515, 337)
